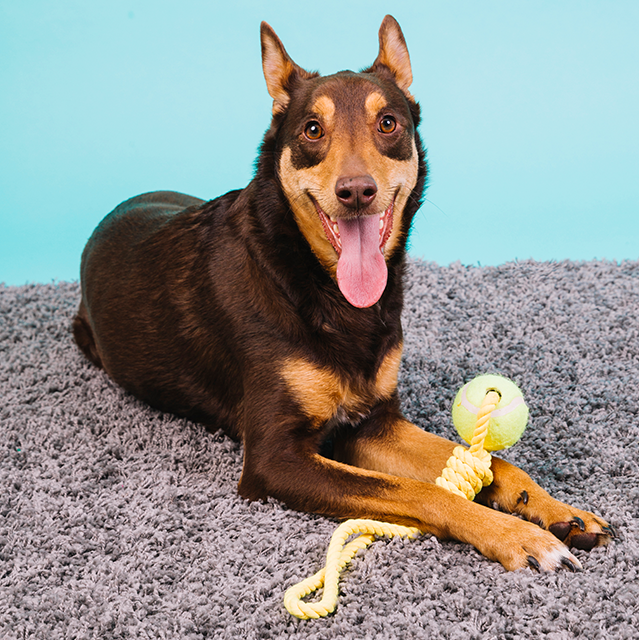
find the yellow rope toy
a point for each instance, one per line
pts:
(489, 413)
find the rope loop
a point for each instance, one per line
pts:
(339, 554)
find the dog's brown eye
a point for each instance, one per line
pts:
(313, 130)
(387, 124)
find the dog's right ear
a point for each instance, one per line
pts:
(280, 71)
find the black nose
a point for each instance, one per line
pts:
(357, 192)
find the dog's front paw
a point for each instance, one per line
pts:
(577, 529)
(520, 544)
(583, 531)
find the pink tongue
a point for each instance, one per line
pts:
(361, 268)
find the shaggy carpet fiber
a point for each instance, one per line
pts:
(117, 521)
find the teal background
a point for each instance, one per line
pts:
(530, 117)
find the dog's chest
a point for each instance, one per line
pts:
(324, 395)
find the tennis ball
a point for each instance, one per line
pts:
(507, 421)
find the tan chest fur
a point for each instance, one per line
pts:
(323, 394)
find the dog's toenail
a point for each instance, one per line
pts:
(579, 522)
(569, 564)
(533, 563)
(523, 497)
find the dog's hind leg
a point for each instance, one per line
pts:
(83, 336)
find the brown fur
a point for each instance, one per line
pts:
(231, 312)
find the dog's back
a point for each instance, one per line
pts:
(146, 287)
(111, 248)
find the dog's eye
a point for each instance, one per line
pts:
(313, 130)
(387, 124)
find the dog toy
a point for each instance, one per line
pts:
(507, 420)
(489, 413)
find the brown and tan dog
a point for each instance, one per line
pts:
(273, 312)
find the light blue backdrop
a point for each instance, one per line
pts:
(530, 116)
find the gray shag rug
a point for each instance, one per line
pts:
(117, 521)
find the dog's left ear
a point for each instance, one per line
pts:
(280, 71)
(393, 54)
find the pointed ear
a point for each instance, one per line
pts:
(393, 54)
(279, 70)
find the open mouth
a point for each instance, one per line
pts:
(360, 243)
(332, 226)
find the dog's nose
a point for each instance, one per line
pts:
(357, 192)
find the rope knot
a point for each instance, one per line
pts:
(468, 470)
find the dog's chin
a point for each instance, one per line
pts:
(360, 243)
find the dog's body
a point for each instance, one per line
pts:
(273, 312)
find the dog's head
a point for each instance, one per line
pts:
(347, 158)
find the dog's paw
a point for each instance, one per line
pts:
(583, 531)
(577, 529)
(520, 544)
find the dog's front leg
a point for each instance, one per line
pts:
(290, 469)
(401, 448)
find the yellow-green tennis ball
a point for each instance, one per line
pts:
(507, 421)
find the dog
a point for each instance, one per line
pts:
(273, 313)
